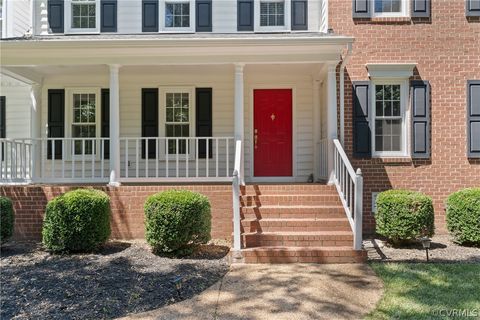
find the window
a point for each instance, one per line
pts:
(390, 8)
(272, 13)
(84, 122)
(389, 119)
(177, 118)
(84, 14)
(177, 15)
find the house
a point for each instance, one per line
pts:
(255, 98)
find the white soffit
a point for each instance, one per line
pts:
(390, 70)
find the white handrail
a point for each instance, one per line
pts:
(237, 245)
(349, 185)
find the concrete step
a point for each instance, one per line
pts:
(281, 254)
(290, 200)
(298, 239)
(289, 212)
(296, 225)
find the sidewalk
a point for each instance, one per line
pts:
(296, 291)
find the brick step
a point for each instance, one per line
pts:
(280, 254)
(296, 225)
(289, 212)
(298, 239)
(288, 189)
(290, 200)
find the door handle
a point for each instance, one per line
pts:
(255, 138)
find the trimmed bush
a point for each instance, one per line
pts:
(7, 219)
(77, 221)
(463, 216)
(404, 215)
(176, 221)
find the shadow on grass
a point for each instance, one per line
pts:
(420, 291)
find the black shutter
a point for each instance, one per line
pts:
(362, 133)
(420, 8)
(204, 120)
(245, 15)
(472, 8)
(56, 121)
(204, 15)
(3, 121)
(150, 16)
(420, 93)
(149, 120)
(108, 17)
(299, 14)
(361, 8)
(105, 122)
(55, 15)
(473, 118)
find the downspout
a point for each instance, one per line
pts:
(342, 92)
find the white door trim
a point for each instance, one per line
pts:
(251, 176)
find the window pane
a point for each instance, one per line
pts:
(177, 15)
(396, 108)
(379, 92)
(379, 108)
(378, 143)
(388, 5)
(272, 13)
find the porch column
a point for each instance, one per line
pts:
(114, 126)
(331, 116)
(36, 129)
(317, 123)
(239, 114)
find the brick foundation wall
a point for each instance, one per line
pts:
(127, 219)
(446, 49)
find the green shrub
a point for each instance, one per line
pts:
(176, 221)
(463, 216)
(7, 219)
(404, 215)
(77, 221)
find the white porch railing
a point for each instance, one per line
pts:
(323, 159)
(237, 245)
(15, 161)
(176, 159)
(349, 185)
(86, 160)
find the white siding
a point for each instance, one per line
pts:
(17, 14)
(224, 16)
(18, 106)
(220, 78)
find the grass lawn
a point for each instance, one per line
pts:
(428, 291)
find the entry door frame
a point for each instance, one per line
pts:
(273, 86)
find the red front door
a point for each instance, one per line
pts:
(272, 132)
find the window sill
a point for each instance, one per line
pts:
(393, 159)
(383, 20)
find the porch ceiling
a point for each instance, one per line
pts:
(174, 50)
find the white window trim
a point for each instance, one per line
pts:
(404, 110)
(164, 29)
(404, 13)
(69, 92)
(162, 121)
(256, 20)
(68, 19)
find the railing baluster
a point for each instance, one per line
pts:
(207, 158)
(227, 174)
(137, 162)
(196, 157)
(216, 157)
(94, 147)
(63, 159)
(102, 157)
(187, 155)
(83, 158)
(72, 145)
(147, 155)
(167, 162)
(126, 158)
(177, 151)
(156, 157)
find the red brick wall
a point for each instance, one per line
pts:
(126, 203)
(447, 52)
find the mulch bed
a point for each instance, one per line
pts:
(121, 278)
(442, 249)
